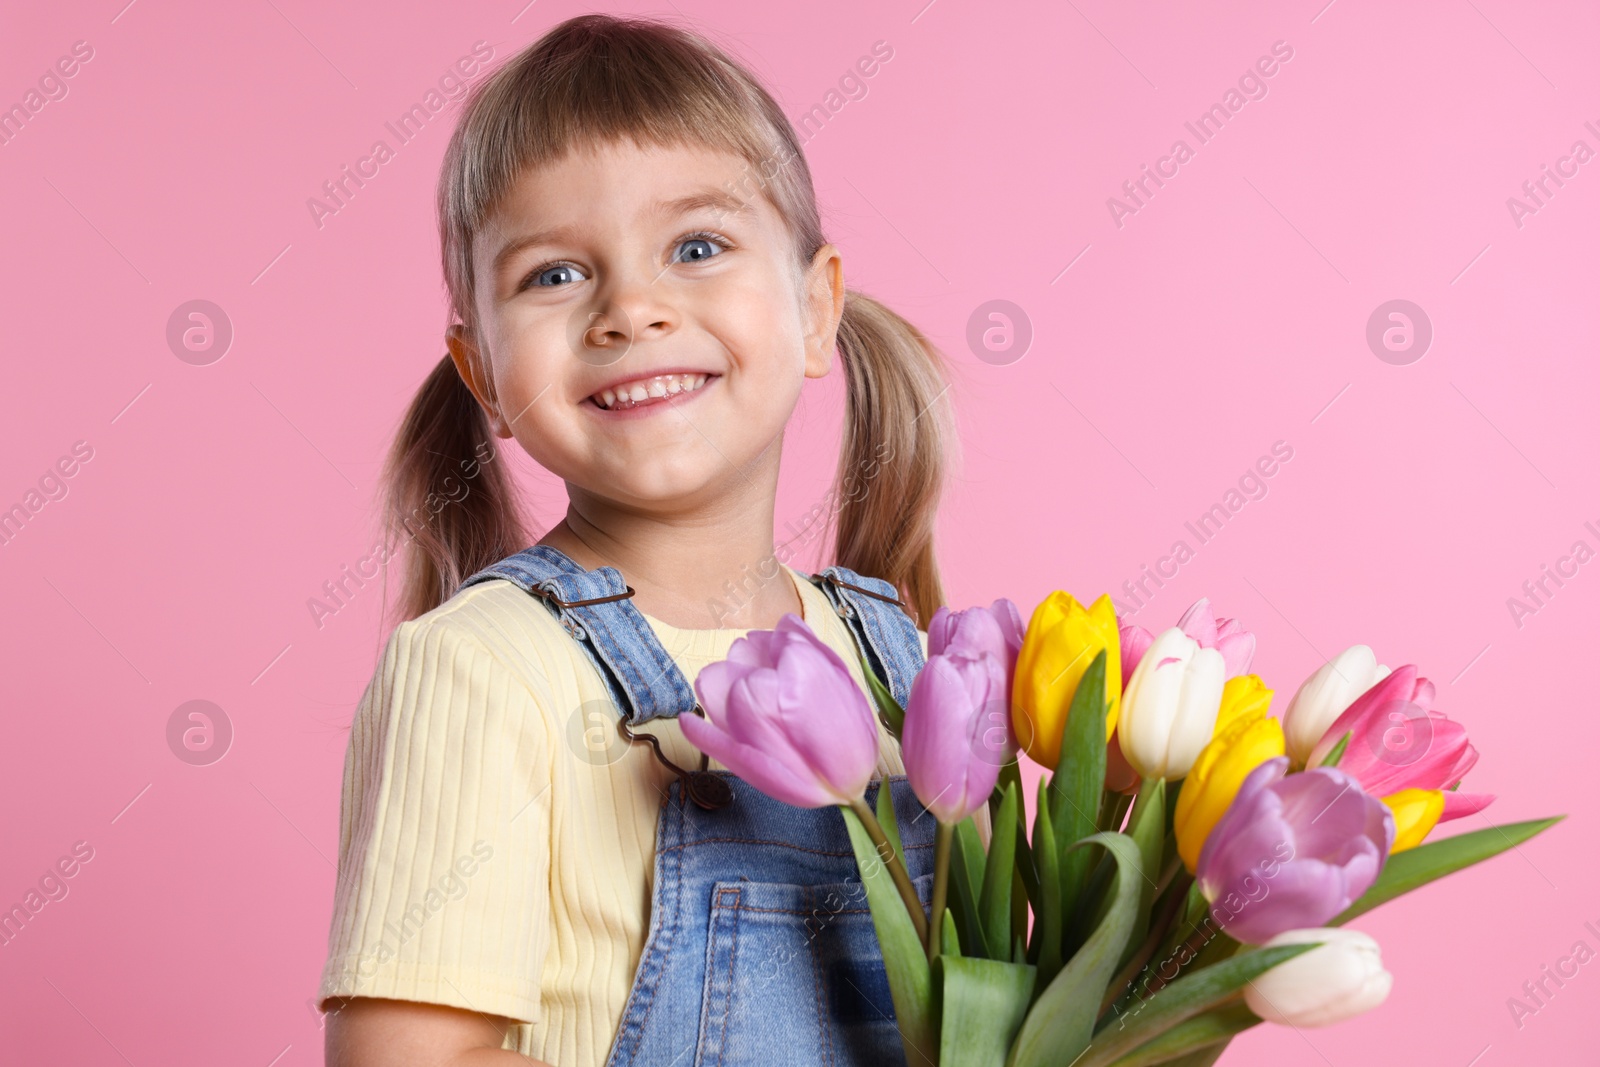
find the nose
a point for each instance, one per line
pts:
(630, 308)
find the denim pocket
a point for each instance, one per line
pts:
(794, 977)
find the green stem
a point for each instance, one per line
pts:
(891, 861)
(942, 836)
(1119, 985)
(1171, 903)
(1166, 876)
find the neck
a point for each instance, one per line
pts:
(711, 567)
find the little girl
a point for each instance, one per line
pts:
(533, 860)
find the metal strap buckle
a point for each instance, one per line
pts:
(708, 791)
(834, 579)
(545, 594)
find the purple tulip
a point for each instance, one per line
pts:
(956, 734)
(948, 628)
(968, 631)
(784, 713)
(1292, 852)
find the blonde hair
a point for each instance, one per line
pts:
(596, 79)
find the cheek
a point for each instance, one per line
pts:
(528, 354)
(529, 358)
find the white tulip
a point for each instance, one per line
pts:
(1169, 707)
(1337, 980)
(1325, 695)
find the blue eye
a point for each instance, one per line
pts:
(556, 275)
(694, 249)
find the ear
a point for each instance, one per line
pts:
(824, 307)
(464, 352)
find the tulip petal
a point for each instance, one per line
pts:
(1292, 851)
(940, 628)
(1238, 650)
(756, 767)
(1396, 688)
(1416, 812)
(714, 681)
(1200, 623)
(1459, 804)
(941, 743)
(1010, 619)
(1342, 977)
(1322, 697)
(827, 721)
(1135, 641)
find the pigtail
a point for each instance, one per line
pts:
(892, 460)
(449, 501)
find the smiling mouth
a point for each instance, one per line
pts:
(643, 392)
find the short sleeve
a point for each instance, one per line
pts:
(444, 836)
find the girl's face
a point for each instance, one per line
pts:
(643, 325)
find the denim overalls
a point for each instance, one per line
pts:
(761, 947)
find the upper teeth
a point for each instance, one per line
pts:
(661, 385)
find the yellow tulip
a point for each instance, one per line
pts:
(1062, 639)
(1416, 812)
(1245, 743)
(1246, 694)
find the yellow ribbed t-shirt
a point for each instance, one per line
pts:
(496, 836)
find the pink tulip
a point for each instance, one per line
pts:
(1399, 742)
(955, 736)
(1135, 640)
(784, 713)
(1459, 804)
(1200, 622)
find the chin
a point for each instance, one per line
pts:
(652, 484)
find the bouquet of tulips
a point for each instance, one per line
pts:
(1190, 861)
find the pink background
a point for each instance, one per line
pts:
(1227, 314)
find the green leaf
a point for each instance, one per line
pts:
(889, 709)
(950, 941)
(1009, 773)
(1431, 860)
(1078, 785)
(905, 959)
(1194, 911)
(994, 906)
(1093, 904)
(984, 1002)
(1047, 925)
(1217, 947)
(1206, 1032)
(1147, 827)
(966, 884)
(1193, 993)
(886, 818)
(1061, 1023)
(1204, 1057)
(1332, 758)
(1019, 902)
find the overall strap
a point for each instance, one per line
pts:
(594, 608)
(885, 633)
